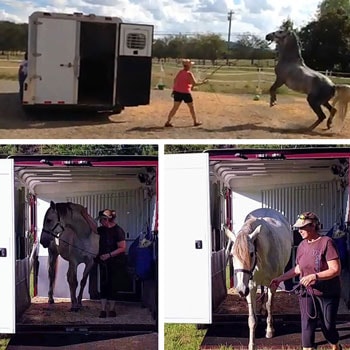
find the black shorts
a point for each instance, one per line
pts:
(180, 96)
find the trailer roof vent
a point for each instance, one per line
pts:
(108, 18)
(136, 41)
(91, 15)
(46, 13)
(78, 14)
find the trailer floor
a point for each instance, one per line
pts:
(40, 312)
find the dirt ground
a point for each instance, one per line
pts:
(223, 117)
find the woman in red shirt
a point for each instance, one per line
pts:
(183, 83)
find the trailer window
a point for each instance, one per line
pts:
(136, 41)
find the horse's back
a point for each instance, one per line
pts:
(269, 213)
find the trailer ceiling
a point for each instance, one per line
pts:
(50, 179)
(240, 172)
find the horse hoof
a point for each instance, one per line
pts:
(269, 335)
(74, 309)
(51, 301)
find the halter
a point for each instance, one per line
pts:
(248, 272)
(58, 224)
(57, 235)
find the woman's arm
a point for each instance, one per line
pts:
(121, 249)
(294, 271)
(194, 82)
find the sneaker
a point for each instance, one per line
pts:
(103, 314)
(112, 314)
(197, 123)
(168, 125)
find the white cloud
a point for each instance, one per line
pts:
(175, 16)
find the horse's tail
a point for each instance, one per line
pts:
(342, 98)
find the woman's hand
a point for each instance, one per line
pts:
(275, 283)
(105, 257)
(308, 280)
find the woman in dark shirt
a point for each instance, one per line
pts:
(318, 264)
(113, 264)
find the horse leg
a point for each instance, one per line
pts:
(52, 259)
(73, 284)
(333, 111)
(316, 107)
(270, 331)
(273, 89)
(252, 321)
(88, 266)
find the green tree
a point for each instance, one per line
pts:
(287, 24)
(80, 150)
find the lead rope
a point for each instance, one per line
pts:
(301, 290)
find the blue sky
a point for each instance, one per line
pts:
(178, 16)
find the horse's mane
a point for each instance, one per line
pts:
(293, 46)
(240, 248)
(64, 209)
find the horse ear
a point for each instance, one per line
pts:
(53, 205)
(230, 235)
(255, 233)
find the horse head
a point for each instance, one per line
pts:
(245, 255)
(52, 226)
(287, 43)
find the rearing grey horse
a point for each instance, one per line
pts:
(292, 71)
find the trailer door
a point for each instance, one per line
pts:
(56, 61)
(134, 66)
(187, 250)
(7, 248)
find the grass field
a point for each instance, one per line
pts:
(238, 78)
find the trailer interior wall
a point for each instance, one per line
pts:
(217, 210)
(134, 213)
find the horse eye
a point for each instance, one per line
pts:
(48, 221)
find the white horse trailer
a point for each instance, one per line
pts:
(127, 184)
(203, 191)
(87, 62)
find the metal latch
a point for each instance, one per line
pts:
(199, 244)
(69, 65)
(3, 252)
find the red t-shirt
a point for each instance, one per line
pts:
(312, 257)
(183, 82)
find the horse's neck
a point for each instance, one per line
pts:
(79, 224)
(288, 57)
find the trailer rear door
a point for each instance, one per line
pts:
(186, 226)
(7, 248)
(134, 66)
(56, 63)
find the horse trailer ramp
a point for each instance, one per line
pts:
(287, 336)
(84, 342)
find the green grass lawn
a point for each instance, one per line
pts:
(4, 341)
